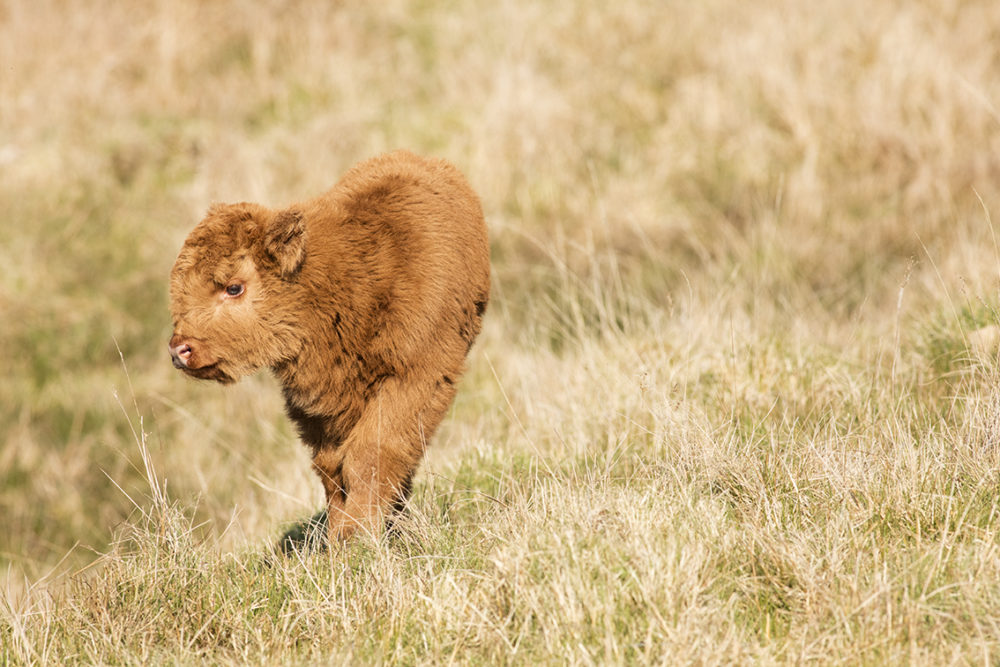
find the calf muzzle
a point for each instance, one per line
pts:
(180, 352)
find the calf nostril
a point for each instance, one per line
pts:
(180, 354)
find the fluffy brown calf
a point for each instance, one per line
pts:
(363, 302)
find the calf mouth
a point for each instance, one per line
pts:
(210, 372)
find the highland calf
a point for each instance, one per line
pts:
(363, 302)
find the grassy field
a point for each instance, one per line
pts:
(737, 396)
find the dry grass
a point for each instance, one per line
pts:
(736, 398)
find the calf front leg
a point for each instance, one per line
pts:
(368, 475)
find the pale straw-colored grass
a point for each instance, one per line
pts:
(735, 400)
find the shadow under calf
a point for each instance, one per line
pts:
(312, 535)
(306, 536)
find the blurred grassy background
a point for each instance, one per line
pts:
(735, 204)
(787, 161)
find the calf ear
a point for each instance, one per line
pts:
(285, 241)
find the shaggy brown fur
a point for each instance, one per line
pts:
(363, 302)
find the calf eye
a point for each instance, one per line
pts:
(235, 289)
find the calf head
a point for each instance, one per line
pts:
(229, 292)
